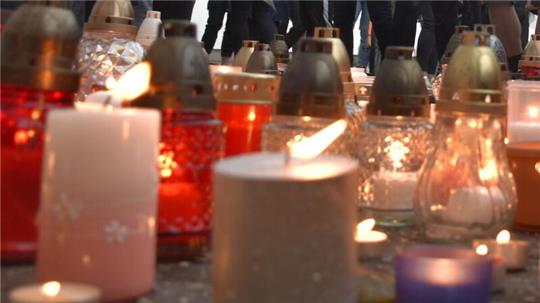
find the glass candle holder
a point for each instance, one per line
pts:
(108, 47)
(466, 189)
(395, 139)
(529, 64)
(442, 274)
(192, 139)
(24, 110)
(39, 46)
(394, 149)
(245, 103)
(190, 143)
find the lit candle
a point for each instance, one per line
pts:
(394, 190)
(285, 227)
(498, 276)
(472, 205)
(99, 190)
(55, 292)
(442, 274)
(523, 111)
(513, 252)
(370, 243)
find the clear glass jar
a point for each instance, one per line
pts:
(393, 149)
(282, 129)
(190, 144)
(105, 55)
(466, 189)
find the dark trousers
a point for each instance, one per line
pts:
(344, 15)
(380, 13)
(297, 30)
(404, 23)
(427, 53)
(446, 17)
(251, 20)
(179, 9)
(216, 12)
(312, 15)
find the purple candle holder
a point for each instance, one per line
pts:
(442, 274)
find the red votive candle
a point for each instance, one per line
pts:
(23, 113)
(245, 103)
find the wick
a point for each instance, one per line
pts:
(108, 101)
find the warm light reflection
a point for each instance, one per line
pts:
(134, 82)
(396, 152)
(50, 289)
(252, 116)
(166, 164)
(503, 237)
(533, 112)
(311, 147)
(20, 137)
(537, 167)
(365, 225)
(488, 172)
(110, 83)
(482, 249)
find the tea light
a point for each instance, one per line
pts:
(513, 252)
(498, 276)
(394, 190)
(285, 227)
(55, 292)
(370, 243)
(432, 274)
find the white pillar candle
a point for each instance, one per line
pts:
(284, 233)
(55, 292)
(394, 190)
(98, 200)
(475, 204)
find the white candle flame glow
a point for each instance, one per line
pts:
(533, 112)
(50, 289)
(503, 237)
(365, 226)
(110, 83)
(482, 249)
(311, 147)
(134, 82)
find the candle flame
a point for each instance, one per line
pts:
(133, 83)
(50, 289)
(482, 249)
(503, 237)
(537, 167)
(488, 172)
(396, 151)
(313, 146)
(365, 226)
(533, 112)
(252, 116)
(110, 83)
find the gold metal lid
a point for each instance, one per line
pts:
(311, 86)
(472, 82)
(357, 91)
(262, 60)
(531, 54)
(39, 47)
(454, 42)
(399, 88)
(179, 28)
(492, 41)
(180, 77)
(338, 50)
(245, 88)
(241, 58)
(112, 15)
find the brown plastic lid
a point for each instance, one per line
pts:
(112, 15)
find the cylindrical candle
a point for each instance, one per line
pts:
(55, 292)
(284, 233)
(442, 274)
(99, 191)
